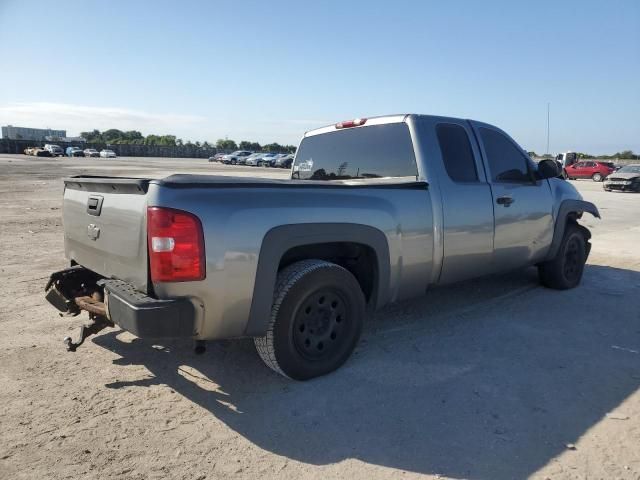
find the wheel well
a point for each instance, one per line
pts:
(359, 259)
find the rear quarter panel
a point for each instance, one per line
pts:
(236, 220)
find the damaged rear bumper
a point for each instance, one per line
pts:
(75, 289)
(145, 316)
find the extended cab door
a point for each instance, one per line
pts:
(458, 182)
(522, 205)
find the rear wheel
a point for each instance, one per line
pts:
(597, 177)
(565, 270)
(316, 320)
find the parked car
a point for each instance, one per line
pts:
(107, 153)
(626, 178)
(41, 152)
(91, 152)
(252, 160)
(267, 159)
(236, 157)
(377, 216)
(74, 152)
(597, 171)
(217, 157)
(55, 150)
(284, 161)
(37, 152)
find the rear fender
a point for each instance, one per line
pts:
(279, 240)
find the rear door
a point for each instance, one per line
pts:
(591, 168)
(522, 205)
(465, 195)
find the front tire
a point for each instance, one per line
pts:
(316, 320)
(597, 177)
(566, 269)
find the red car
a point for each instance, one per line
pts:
(597, 171)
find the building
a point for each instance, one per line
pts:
(35, 134)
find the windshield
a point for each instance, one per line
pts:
(630, 169)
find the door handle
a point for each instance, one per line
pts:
(505, 200)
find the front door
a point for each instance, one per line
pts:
(522, 205)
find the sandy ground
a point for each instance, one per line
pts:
(492, 379)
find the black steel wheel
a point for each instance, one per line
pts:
(321, 325)
(316, 320)
(566, 269)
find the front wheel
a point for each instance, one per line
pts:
(565, 270)
(597, 177)
(316, 320)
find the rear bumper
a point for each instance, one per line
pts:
(144, 316)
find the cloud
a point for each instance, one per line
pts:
(81, 118)
(76, 118)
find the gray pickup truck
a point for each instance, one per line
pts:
(377, 211)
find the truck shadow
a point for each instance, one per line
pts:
(491, 389)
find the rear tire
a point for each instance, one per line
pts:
(316, 320)
(566, 269)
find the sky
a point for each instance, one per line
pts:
(269, 71)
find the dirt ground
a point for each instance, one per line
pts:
(497, 378)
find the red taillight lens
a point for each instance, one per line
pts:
(351, 123)
(176, 245)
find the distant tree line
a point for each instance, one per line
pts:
(114, 136)
(226, 144)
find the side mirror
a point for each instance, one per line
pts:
(548, 169)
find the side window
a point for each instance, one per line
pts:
(457, 154)
(506, 162)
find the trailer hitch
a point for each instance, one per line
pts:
(98, 316)
(97, 323)
(73, 290)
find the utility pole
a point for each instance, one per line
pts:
(547, 152)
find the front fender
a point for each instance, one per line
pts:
(569, 209)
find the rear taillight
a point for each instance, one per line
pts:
(176, 245)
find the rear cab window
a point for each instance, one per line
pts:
(374, 151)
(457, 153)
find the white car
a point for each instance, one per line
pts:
(236, 158)
(91, 152)
(54, 150)
(253, 159)
(107, 154)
